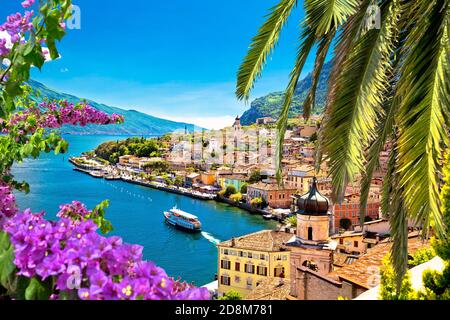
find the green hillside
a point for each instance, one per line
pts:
(136, 123)
(270, 105)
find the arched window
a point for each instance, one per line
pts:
(310, 233)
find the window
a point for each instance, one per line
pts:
(249, 282)
(237, 279)
(250, 255)
(225, 251)
(261, 270)
(262, 257)
(355, 244)
(279, 272)
(225, 264)
(240, 254)
(310, 233)
(249, 268)
(225, 280)
(237, 266)
(341, 241)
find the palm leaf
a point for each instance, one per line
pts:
(262, 45)
(310, 100)
(302, 55)
(424, 93)
(323, 17)
(357, 107)
(342, 49)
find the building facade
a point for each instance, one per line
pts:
(245, 262)
(272, 194)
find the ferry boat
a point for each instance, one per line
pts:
(183, 220)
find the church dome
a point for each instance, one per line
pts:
(313, 203)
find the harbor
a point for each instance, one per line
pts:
(136, 212)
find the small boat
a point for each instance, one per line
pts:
(96, 174)
(182, 220)
(268, 216)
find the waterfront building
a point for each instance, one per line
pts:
(274, 195)
(236, 180)
(208, 178)
(191, 179)
(245, 262)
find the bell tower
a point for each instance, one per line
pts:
(311, 248)
(312, 217)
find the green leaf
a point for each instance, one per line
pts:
(39, 290)
(7, 266)
(261, 47)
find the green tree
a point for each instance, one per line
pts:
(229, 190)
(256, 202)
(237, 197)
(345, 223)
(231, 295)
(244, 188)
(291, 220)
(179, 181)
(388, 286)
(437, 284)
(255, 176)
(388, 83)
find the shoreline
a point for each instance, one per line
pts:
(96, 173)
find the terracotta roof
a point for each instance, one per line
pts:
(265, 240)
(362, 270)
(271, 289)
(270, 186)
(339, 259)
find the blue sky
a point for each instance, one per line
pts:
(174, 59)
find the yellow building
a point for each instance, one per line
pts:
(244, 262)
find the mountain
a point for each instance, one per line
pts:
(136, 123)
(270, 105)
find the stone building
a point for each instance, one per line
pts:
(312, 248)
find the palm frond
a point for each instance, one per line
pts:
(363, 84)
(424, 92)
(262, 45)
(341, 51)
(322, 18)
(302, 55)
(308, 104)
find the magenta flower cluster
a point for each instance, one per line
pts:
(56, 114)
(82, 261)
(16, 26)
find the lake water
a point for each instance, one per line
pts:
(137, 212)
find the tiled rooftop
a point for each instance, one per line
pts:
(266, 240)
(362, 270)
(271, 289)
(270, 186)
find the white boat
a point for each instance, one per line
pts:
(183, 220)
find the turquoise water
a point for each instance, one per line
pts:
(137, 212)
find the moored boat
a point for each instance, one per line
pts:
(182, 220)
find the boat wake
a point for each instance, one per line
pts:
(210, 238)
